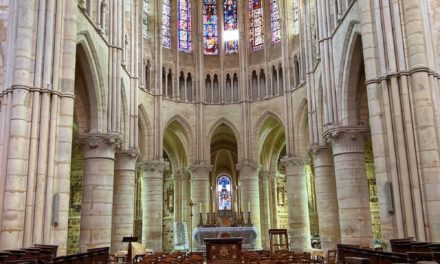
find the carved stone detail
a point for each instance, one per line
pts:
(154, 166)
(99, 144)
(290, 162)
(247, 163)
(347, 139)
(126, 159)
(322, 155)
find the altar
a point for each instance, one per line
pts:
(248, 233)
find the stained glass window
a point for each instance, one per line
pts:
(210, 30)
(230, 33)
(275, 21)
(166, 19)
(224, 193)
(184, 25)
(145, 19)
(257, 27)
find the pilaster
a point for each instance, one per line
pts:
(299, 223)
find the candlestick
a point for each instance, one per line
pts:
(249, 206)
(249, 223)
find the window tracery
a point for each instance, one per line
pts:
(230, 33)
(210, 30)
(166, 29)
(275, 21)
(257, 26)
(184, 26)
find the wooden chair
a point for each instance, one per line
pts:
(279, 240)
(331, 257)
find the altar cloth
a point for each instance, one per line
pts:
(248, 233)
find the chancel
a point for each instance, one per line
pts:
(248, 131)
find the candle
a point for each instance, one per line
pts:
(213, 207)
(235, 206)
(249, 206)
(201, 207)
(207, 208)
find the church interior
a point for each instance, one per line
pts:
(219, 131)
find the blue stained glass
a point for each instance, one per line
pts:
(184, 26)
(224, 193)
(210, 31)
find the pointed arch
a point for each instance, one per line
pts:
(124, 121)
(266, 137)
(183, 122)
(145, 134)
(343, 91)
(88, 62)
(301, 131)
(229, 124)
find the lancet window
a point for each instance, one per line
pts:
(275, 21)
(184, 26)
(166, 24)
(257, 25)
(230, 30)
(210, 29)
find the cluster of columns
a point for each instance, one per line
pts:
(107, 209)
(341, 186)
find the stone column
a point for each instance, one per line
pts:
(177, 194)
(123, 198)
(250, 193)
(185, 194)
(199, 191)
(97, 200)
(351, 185)
(265, 208)
(298, 208)
(327, 200)
(152, 203)
(273, 198)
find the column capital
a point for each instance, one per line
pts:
(154, 166)
(247, 164)
(322, 155)
(347, 139)
(265, 175)
(99, 144)
(126, 159)
(200, 166)
(290, 160)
